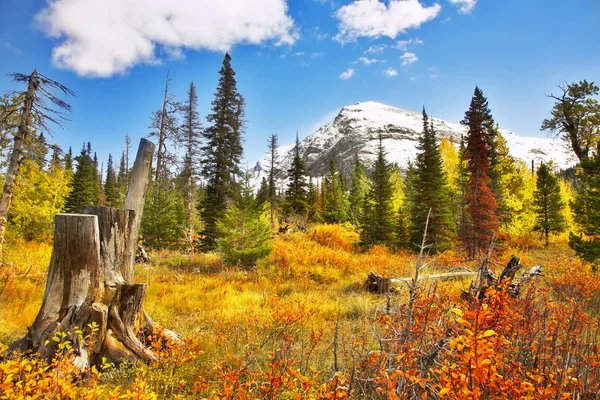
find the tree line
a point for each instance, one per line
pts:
(203, 201)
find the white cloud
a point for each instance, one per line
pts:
(412, 78)
(11, 48)
(349, 73)
(466, 6)
(434, 76)
(317, 54)
(102, 38)
(390, 72)
(377, 49)
(298, 54)
(374, 18)
(368, 61)
(408, 58)
(404, 44)
(317, 34)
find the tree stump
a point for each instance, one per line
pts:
(90, 284)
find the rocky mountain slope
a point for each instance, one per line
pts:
(355, 132)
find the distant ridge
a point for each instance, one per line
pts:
(356, 129)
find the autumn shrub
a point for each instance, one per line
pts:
(342, 237)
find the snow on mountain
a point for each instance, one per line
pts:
(355, 133)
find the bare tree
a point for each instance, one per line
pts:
(40, 107)
(164, 127)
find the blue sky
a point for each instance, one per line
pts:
(291, 57)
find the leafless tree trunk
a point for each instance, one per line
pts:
(15, 157)
(136, 196)
(90, 284)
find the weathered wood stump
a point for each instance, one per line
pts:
(90, 286)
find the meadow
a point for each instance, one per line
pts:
(301, 325)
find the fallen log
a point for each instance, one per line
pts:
(380, 285)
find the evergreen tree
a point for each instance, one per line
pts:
(55, 160)
(97, 180)
(314, 212)
(430, 192)
(296, 194)
(83, 190)
(221, 152)
(244, 232)
(164, 215)
(335, 201)
(111, 189)
(273, 144)
(358, 191)
(262, 195)
(548, 203)
(68, 160)
(378, 214)
(122, 178)
(586, 208)
(481, 204)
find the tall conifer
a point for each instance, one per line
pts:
(548, 203)
(430, 192)
(480, 201)
(221, 152)
(297, 191)
(111, 190)
(378, 213)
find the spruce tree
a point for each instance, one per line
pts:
(297, 191)
(480, 201)
(430, 192)
(244, 231)
(586, 208)
(97, 180)
(262, 195)
(122, 177)
(358, 190)
(378, 219)
(335, 200)
(314, 212)
(68, 160)
(164, 215)
(273, 159)
(111, 190)
(221, 152)
(548, 203)
(83, 190)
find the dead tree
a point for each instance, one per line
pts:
(90, 290)
(35, 113)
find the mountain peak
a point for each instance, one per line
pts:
(356, 130)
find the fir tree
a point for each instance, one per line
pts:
(378, 213)
(548, 203)
(164, 215)
(335, 201)
(83, 190)
(481, 204)
(314, 212)
(262, 195)
(244, 232)
(97, 180)
(68, 160)
(296, 194)
(273, 144)
(122, 177)
(111, 191)
(358, 190)
(586, 208)
(430, 192)
(221, 152)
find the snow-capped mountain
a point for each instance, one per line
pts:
(355, 133)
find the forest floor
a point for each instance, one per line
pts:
(287, 326)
